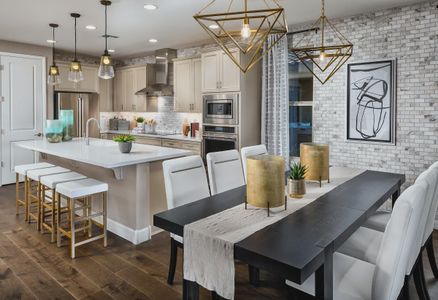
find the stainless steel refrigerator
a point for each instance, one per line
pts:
(80, 104)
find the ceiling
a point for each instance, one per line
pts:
(172, 24)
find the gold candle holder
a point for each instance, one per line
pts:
(316, 158)
(265, 181)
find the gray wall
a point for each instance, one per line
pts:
(409, 34)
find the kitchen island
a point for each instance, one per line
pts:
(136, 184)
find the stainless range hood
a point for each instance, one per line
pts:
(162, 83)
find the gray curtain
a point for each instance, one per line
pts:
(275, 99)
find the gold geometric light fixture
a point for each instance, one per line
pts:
(327, 50)
(75, 73)
(246, 29)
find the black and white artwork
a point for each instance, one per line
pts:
(371, 101)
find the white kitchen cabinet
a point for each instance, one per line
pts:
(187, 85)
(219, 72)
(90, 84)
(106, 96)
(127, 82)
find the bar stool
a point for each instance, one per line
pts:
(80, 192)
(48, 203)
(21, 170)
(35, 176)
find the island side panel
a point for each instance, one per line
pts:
(129, 207)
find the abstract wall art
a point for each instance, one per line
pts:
(371, 100)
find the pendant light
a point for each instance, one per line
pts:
(327, 51)
(245, 28)
(54, 78)
(75, 73)
(106, 69)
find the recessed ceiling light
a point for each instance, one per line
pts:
(91, 27)
(51, 41)
(213, 26)
(153, 41)
(111, 50)
(150, 7)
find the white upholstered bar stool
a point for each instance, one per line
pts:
(79, 198)
(34, 176)
(224, 171)
(245, 152)
(355, 279)
(48, 204)
(21, 170)
(185, 181)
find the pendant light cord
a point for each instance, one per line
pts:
(76, 58)
(53, 45)
(106, 29)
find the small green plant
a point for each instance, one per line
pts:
(140, 120)
(297, 171)
(124, 138)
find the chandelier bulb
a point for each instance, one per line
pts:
(322, 56)
(246, 30)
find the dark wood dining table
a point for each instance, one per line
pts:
(302, 243)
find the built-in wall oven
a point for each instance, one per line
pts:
(219, 138)
(221, 109)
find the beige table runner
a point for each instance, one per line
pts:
(209, 243)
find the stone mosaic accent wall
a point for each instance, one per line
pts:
(409, 34)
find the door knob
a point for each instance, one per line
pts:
(39, 134)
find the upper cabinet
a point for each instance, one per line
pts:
(127, 82)
(106, 96)
(90, 84)
(219, 72)
(187, 85)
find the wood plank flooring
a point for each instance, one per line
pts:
(33, 268)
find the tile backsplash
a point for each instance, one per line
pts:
(168, 121)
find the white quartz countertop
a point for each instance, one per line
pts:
(103, 153)
(179, 137)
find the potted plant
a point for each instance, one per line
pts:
(296, 184)
(125, 142)
(140, 121)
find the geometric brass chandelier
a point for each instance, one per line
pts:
(244, 28)
(327, 50)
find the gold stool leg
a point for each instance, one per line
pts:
(90, 221)
(104, 206)
(26, 200)
(58, 220)
(41, 202)
(17, 192)
(53, 225)
(72, 227)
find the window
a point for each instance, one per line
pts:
(300, 105)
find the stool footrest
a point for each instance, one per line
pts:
(90, 240)
(86, 217)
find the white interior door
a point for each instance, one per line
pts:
(22, 109)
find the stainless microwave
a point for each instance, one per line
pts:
(221, 109)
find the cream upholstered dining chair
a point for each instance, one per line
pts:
(224, 171)
(379, 220)
(363, 244)
(185, 181)
(246, 152)
(355, 279)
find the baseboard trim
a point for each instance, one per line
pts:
(134, 236)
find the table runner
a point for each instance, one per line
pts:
(209, 243)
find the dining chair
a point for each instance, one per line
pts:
(185, 181)
(354, 278)
(364, 242)
(224, 171)
(379, 220)
(245, 152)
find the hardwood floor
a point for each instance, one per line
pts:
(33, 268)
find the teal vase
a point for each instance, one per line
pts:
(66, 118)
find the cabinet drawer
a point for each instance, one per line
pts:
(172, 144)
(148, 141)
(195, 147)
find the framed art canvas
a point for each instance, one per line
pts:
(371, 99)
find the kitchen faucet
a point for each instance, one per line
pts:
(87, 139)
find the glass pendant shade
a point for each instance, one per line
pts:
(75, 73)
(54, 78)
(106, 69)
